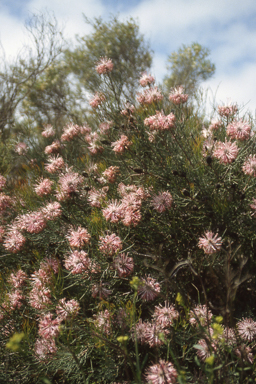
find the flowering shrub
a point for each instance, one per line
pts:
(127, 257)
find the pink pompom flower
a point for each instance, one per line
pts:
(97, 100)
(249, 167)
(53, 148)
(52, 210)
(70, 131)
(21, 148)
(146, 79)
(55, 164)
(43, 187)
(148, 289)
(121, 145)
(210, 242)
(227, 110)
(226, 152)
(67, 309)
(110, 244)
(77, 262)
(2, 182)
(104, 66)
(48, 131)
(48, 327)
(239, 130)
(161, 373)
(124, 265)
(111, 173)
(162, 201)
(160, 122)
(247, 329)
(149, 96)
(78, 238)
(177, 96)
(14, 240)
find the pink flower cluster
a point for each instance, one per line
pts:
(150, 333)
(96, 197)
(78, 262)
(5, 201)
(70, 131)
(78, 238)
(110, 244)
(105, 127)
(53, 148)
(48, 131)
(67, 309)
(111, 173)
(210, 242)
(55, 164)
(94, 143)
(207, 348)
(69, 184)
(121, 145)
(128, 110)
(162, 201)
(13, 300)
(97, 100)
(165, 316)
(2, 182)
(200, 315)
(13, 240)
(43, 187)
(33, 222)
(239, 130)
(128, 210)
(160, 122)
(227, 110)
(177, 96)
(124, 265)
(21, 148)
(148, 289)
(48, 327)
(52, 210)
(247, 329)
(149, 96)
(215, 125)
(45, 348)
(249, 167)
(40, 295)
(18, 280)
(104, 66)
(161, 373)
(226, 152)
(102, 322)
(146, 79)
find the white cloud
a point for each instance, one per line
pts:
(68, 14)
(236, 87)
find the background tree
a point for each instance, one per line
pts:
(189, 66)
(123, 44)
(19, 77)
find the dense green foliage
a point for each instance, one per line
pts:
(128, 243)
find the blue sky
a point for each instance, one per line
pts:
(226, 27)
